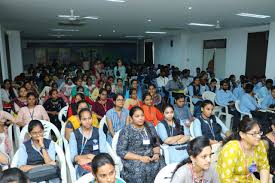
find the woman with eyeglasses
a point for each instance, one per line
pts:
(37, 151)
(117, 117)
(197, 167)
(244, 156)
(103, 104)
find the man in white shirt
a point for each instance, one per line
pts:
(162, 80)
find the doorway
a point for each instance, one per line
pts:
(149, 52)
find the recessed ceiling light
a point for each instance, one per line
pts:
(64, 30)
(200, 24)
(117, 1)
(91, 17)
(138, 36)
(252, 15)
(149, 20)
(190, 8)
(114, 30)
(155, 32)
(99, 35)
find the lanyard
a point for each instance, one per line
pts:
(33, 146)
(246, 163)
(84, 142)
(144, 137)
(194, 179)
(209, 123)
(31, 113)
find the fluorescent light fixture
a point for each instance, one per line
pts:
(117, 1)
(155, 32)
(200, 24)
(99, 35)
(67, 16)
(252, 15)
(59, 35)
(139, 36)
(114, 30)
(190, 8)
(91, 17)
(149, 20)
(65, 30)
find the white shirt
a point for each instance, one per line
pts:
(162, 81)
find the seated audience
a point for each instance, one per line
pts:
(6, 145)
(213, 85)
(31, 112)
(195, 91)
(244, 156)
(133, 100)
(197, 167)
(119, 89)
(85, 143)
(13, 175)
(156, 97)
(240, 90)
(72, 110)
(138, 147)
(103, 104)
(21, 100)
(209, 125)
(172, 133)
(265, 90)
(151, 113)
(8, 93)
(78, 83)
(248, 103)
(117, 117)
(268, 102)
(103, 169)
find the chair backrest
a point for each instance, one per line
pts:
(165, 174)
(63, 113)
(62, 163)
(208, 95)
(115, 140)
(10, 135)
(71, 168)
(89, 177)
(102, 122)
(48, 127)
(14, 162)
(192, 130)
(16, 131)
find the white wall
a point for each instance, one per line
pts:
(188, 49)
(270, 61)
(4, 64)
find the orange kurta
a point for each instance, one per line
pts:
(152, 114)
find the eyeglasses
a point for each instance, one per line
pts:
(119, 100)
(37, 133)
(256, 133)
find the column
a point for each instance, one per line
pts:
(3, 58)
(270, 60)
(15, 53)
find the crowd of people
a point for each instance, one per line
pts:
(150, 107)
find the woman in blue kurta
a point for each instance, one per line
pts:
(85, 143)
(117, 117)
(171, 133)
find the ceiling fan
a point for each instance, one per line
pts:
(74, 20)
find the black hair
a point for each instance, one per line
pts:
(213, 80)
(179, 96)
(13, 175)
(33, 124)
(102, 90)
(119, 79)
(133, 81)
(82, 96)
(131, 90)
(195, 78)
(83, 110)
(223, 81)
(245, 125)
(11, 91)
(117, 95)
(151, 84)
(232, 76)
(110, 77)
(249, 88)
(273, 88)
(194, 148)
(79, 87)
(269, 81)
(53, 90)
(206, 102)
(145, 95)
(80, 102)
(101, 160)
(177, 123)
(31, 94)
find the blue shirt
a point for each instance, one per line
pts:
(191, 92)
(117, 122)
(268, 100)
(263, 92)
(248, 103)
(197, 127)
(224, 97)
(238, 92)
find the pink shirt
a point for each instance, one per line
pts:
(4, 116)
(26, 115)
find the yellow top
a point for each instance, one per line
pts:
(233, 164)
(76, 123)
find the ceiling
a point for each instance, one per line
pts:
(35, 18)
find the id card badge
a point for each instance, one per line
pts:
(146, 141)
(95, 147)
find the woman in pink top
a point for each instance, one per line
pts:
(31, 112)
(5, 144)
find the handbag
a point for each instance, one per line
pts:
(43, 173)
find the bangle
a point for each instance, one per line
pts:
(157, 153)
(43, 148)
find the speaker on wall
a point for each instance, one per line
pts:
(171, 43)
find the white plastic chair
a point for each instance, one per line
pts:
(60, 158)
(4, 167)
(192, 133)
(114, 147)
(165, 150)
(48, 127)
(16, 132)
(89, 178)
(237, 105)
(165, 174)
(70, 166)
(10, 133)
(63, 112)
(228, 116)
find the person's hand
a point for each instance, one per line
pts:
(191, 119)
(145, 159)
(155, 157)
(40, 141)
